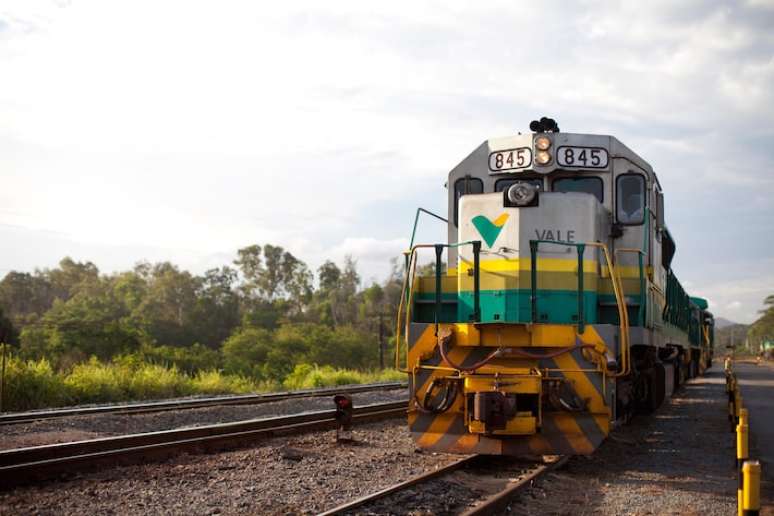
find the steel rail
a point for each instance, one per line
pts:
(489, 505)
(23, 465)
(162, 406)
(499, 501)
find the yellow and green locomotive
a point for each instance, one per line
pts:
(552, 312)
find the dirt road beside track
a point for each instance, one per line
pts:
(757, 384)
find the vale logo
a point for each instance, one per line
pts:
(489, 229)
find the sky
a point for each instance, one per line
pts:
(184, 131)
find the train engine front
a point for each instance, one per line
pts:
(535, 332)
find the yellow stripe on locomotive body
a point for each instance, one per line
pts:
(559, 315)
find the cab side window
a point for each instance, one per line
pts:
(630, 199)
(465, 186)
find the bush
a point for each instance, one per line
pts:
(94, 382)
(214, 382)
(306, 376)
(31, 384)
(246, 350)
(154, 381)
(187, 359)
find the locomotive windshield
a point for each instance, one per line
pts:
(592, 185)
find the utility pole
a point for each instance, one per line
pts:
(2, 380)
(381, 341)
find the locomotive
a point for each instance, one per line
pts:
(552, 312)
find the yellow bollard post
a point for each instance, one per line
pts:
(742, 454)
(737, 404)
(731, 412)
(751, 499)
(742, 442)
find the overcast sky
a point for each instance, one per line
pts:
(183, 131)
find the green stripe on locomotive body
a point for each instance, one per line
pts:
(512, 306)
(506, 295)
(555, 306)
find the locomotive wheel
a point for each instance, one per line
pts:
(659, 385)
(655, 388)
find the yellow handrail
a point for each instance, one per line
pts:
(408, 286)
(623, 314)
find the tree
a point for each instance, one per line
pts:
(250, 264)
(274, 275)
(762, 329)
(374, 313)
(246, 351)
(329, 276)
(25, 297)
(8, 334)
(168, 308)
(72, 277)
(216, 312)
(90, 323)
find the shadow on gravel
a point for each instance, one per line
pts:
(678, 460)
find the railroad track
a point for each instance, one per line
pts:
(498, 479)
(161, 406)
(25, 465)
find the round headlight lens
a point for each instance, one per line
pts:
(521, 194)
(542, 143)
(542, 158)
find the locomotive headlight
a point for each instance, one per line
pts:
(542, 143)
(521, 194)
(542, 157)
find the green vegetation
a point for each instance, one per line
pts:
(79, 336)
(748, 339)
(761, 331)
(32, 384)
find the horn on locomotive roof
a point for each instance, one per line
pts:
(544, 125)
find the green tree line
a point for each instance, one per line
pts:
(259, 317)
(762, 330)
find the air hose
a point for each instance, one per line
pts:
(449, 395)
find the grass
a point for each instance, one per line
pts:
(33, 384)
(306, 376)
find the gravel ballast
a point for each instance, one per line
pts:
(679, 460)
(75, 428)
(290, 475)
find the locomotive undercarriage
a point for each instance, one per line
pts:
(526, 389)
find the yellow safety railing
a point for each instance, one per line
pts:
(404, 309)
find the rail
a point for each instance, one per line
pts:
(23, 465)
(491, 504)
(186, 404)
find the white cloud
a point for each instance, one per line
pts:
(186, 130)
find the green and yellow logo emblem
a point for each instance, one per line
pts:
(489, 229)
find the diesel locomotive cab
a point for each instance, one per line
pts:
(558, 313)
